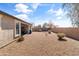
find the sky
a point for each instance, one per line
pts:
(38, 13)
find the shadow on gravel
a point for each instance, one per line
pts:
(62, 39)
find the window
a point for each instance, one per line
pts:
(17, 28)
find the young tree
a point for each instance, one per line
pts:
(73, 13)
(45, 25)
(39, 28)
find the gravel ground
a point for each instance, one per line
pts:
(42, 44)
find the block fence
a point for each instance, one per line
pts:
(70, 32)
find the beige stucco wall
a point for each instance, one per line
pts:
(7, 30)
(0, 20)
(7, 23)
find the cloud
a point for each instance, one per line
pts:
(60, 13)
(24, 11)
(59, 17)
(22, 8)
(57, 12)
(23, 16)
(35, 5)
(63, 23)
(51, 11)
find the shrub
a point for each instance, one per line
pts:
(20, 39)
(61, 35)
(49, 31)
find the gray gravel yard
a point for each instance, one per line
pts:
(41, 44)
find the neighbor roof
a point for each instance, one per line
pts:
(14, 17)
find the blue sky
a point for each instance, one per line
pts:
(38, 13)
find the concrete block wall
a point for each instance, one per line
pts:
(70, 32)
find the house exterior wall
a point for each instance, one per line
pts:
(0, 20)
(7, 29)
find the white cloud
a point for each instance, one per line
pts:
(59, 17)
(23, 16)
(22, 8)
(63, 23)
(58, 13)
(35, 5)
(51, 11)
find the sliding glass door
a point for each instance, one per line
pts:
(17, 28)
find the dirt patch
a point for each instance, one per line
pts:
(42, 44)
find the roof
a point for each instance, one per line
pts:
(14, 17)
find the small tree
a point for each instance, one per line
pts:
(73, 13)
(45, 26)
(39, 28)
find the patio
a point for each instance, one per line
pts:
(42, 44)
